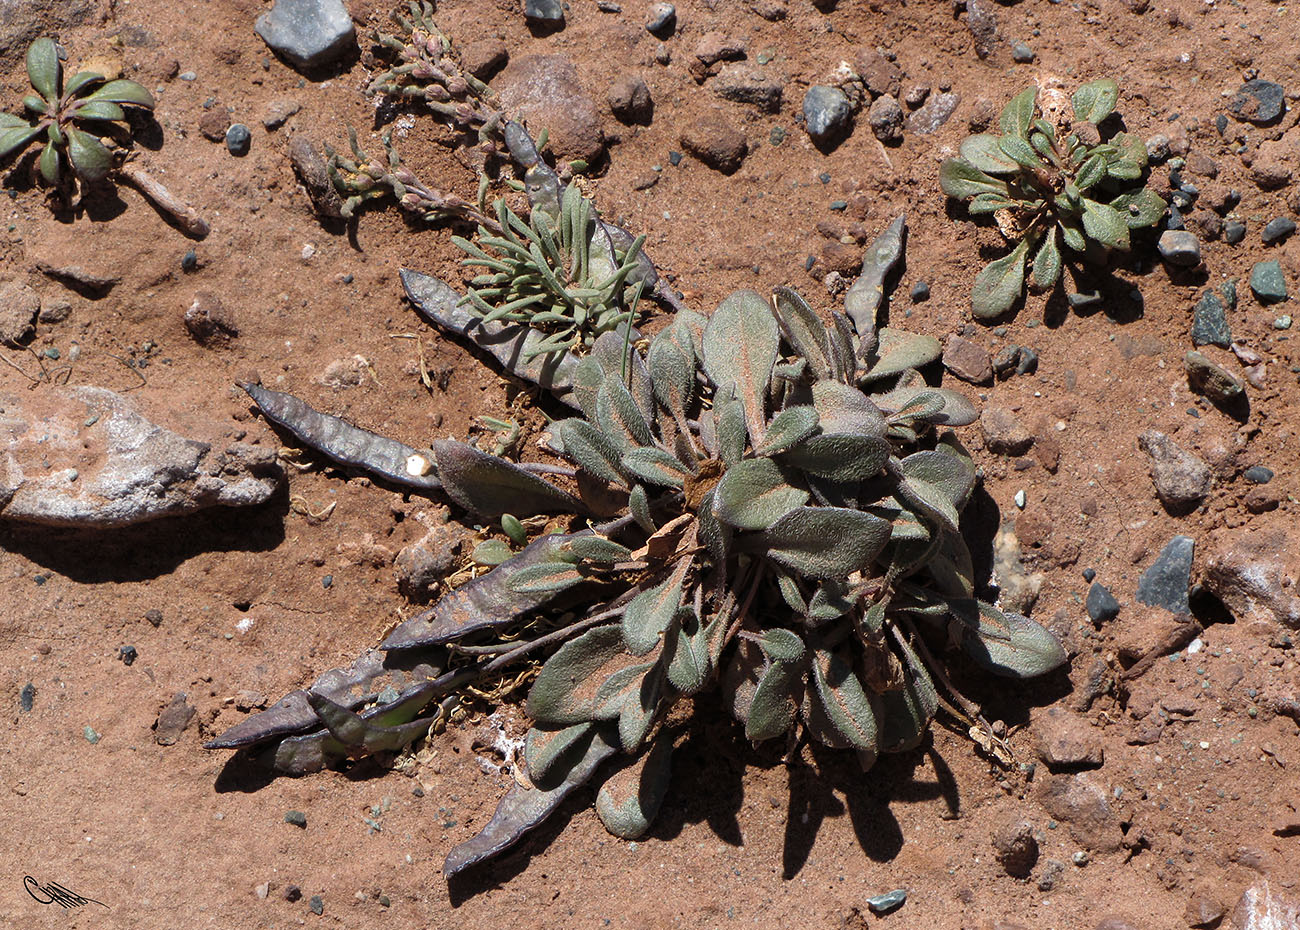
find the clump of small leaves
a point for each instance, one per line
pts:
(765, 502)
(559, 274)
(70, 116)
(426, 68)
(1050, 184)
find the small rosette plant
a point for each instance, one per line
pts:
(69, 115)
(1051, 184)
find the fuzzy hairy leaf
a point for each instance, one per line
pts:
(959, 178)
(753, 495)
(550, 752)
(1047, 262)
(1104, 224)
(90, 160)
(984, 153)
(842, 408)
(938, 481)
(1018, 115)
(792, 425)
(123, 91)
(80, 81)
(16, 138)
(491, 486)
(823, 542)
(672, 373)
(1011, 645)
(43, 68)
(999, 284)
(99, 110)
(740, 347)
(844, 700)
(988, 202)
(621, 687)
(594, 548)
(630, 799)
(781, 645)
(649, 615)
(900, 351)
(565, 689)
(839, 456)
(655, 466)
(619, 418)
(1091, 172)
(1140, 208)
(1020, 151)
(545, 578)
(803, 330)
(638, 716)
(773, 706)
(956, 409)
(1095, 101)
(730, 416)
(591, 449)
(830, 602)
(906, 713)
(688, 667)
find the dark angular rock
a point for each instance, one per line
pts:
(550, 12)
(1258, 474)
(1233, 232)
(743, 83)
(661, 20)
(1210, 322)
(1277, 229)
(1267, 282)
(1179, 247)
(1258, 102)
(1101, 604)
(1165, 584)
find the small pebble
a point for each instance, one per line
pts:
(674, 158)
(662, 19)
(292, 893)
(1233, 232)
(189, 261)
(1089, 574)
(154, 616)
(188, 76)
(1277, 229)
(884, 903)
(1258, 474)
(1022, 53)
(327, 581)
(297, 818)
(1267, 282)
(1180, 248)
(920, 292)
(1021, 499)
(1258, 102)
(1101, 604)
(27, 697)
(238, 139)
(90, 734)
(1084, 300)
(1282, 322)
(826, 112)
(317, 904)
(128, 655)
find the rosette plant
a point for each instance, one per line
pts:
(1051, 183)
(765, 501)
(69, 115)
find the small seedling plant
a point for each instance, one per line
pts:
(69, 116)
(1051, 185)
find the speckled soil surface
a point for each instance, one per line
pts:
(1187, 792)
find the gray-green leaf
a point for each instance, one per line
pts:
(753, 495)
(43, 68)
(649, 614)
(1027, 649)
(740, 347)
(844, 700)
(1104, 224)
(1095, 101)
(1018, 115)
(630, 799)
(1047, 262)
(491, 486)
(984, 153)
(959, 178)
(999, 284)
(823, 542)
(790, 426)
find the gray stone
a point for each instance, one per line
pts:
(1050, 874)
(661, 20)
(886, 119)
(1165, 583)
(238, 139)
(1210, 322)
(308, 33)
(629, 98)
(1234, 231)
(1255, 574)
(826, 112)
(1181, 479)
(1212, 381)
(84, 457)
(27, 698)
(968, 361)
(983, 25)
(1267, 282)
(19, 305)
(1016, 847)
(1085, 300)
(1101, 604)
(1018, 589)
(172, 720)
(550, 12)
(1022, 53)
(743, 83)
(1179, 247)
(54, 310)
(1277, 229)
(1004, 434)
(1258, 474)
(544, 90)
(1258, 102)
(933, 114)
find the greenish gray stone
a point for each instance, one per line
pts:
(1165, 584)
(1267, 282)
(1211, 381)
(1210, 322)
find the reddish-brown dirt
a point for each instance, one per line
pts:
(167, 836)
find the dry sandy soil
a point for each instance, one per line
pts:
(1167, 831)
